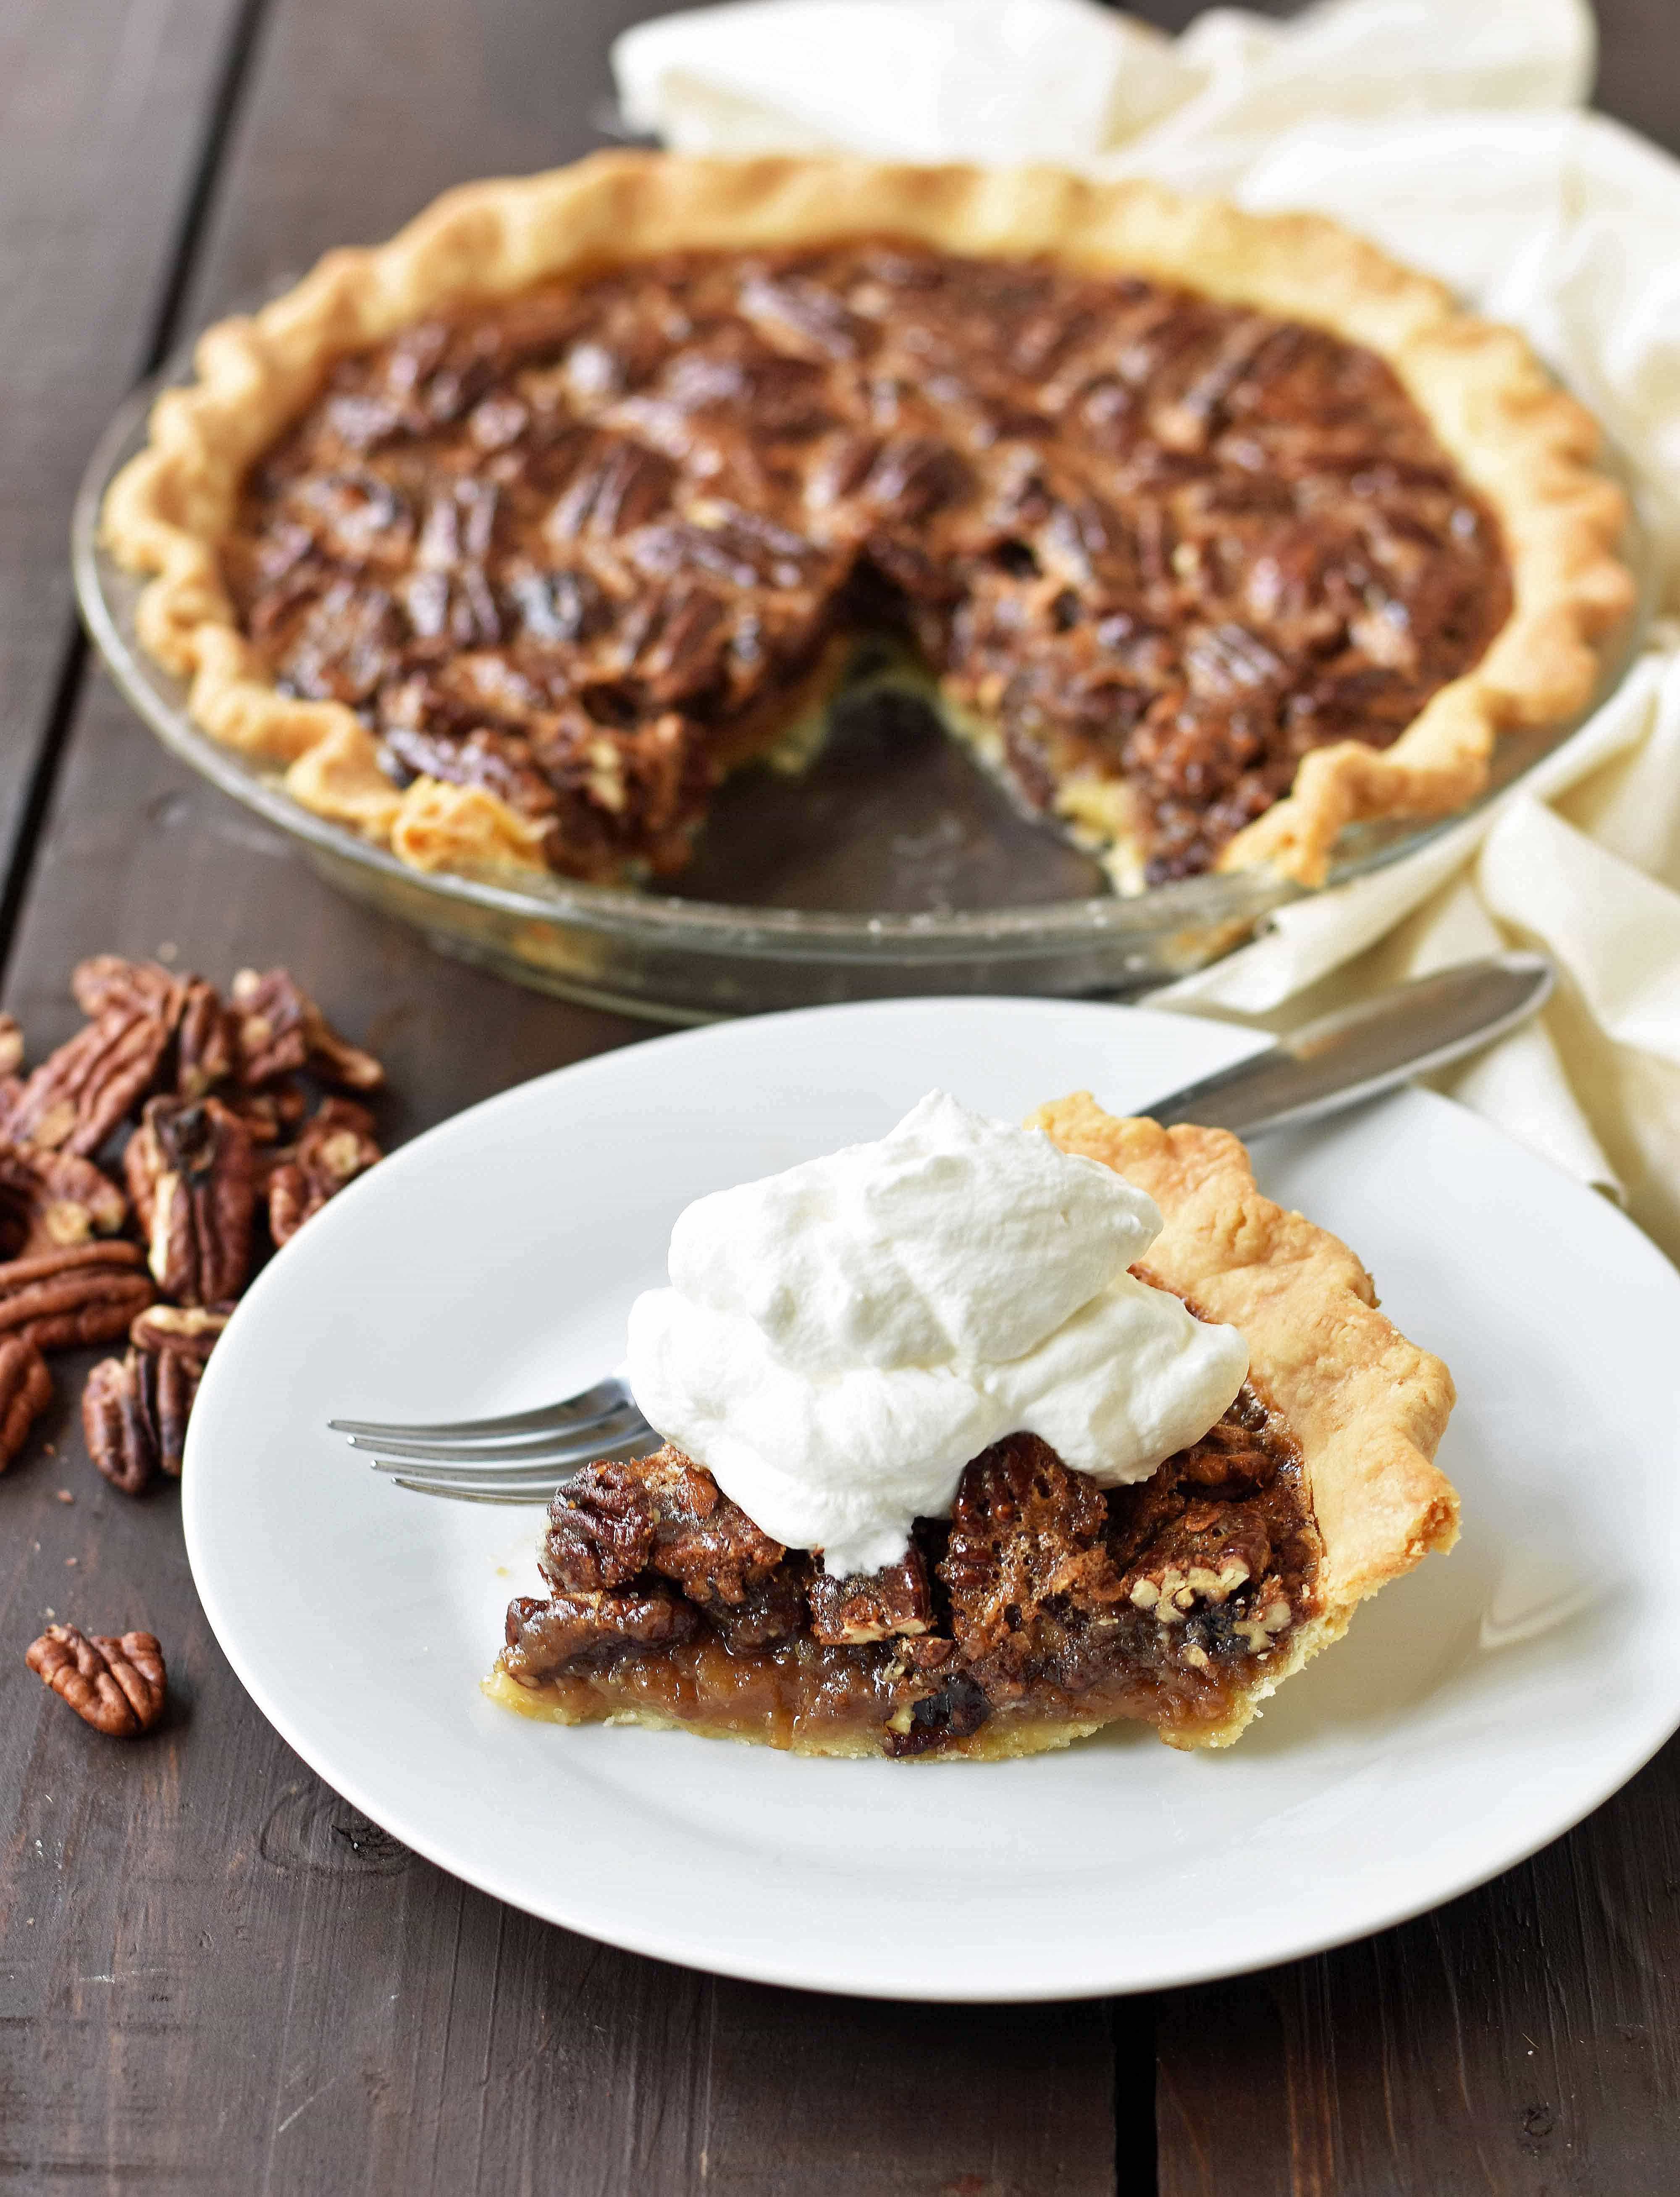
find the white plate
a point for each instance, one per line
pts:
(1479, 1707)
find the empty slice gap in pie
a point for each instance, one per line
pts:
(1216, 533)
(1045, 1606)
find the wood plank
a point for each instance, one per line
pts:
(201, 1919)
(1638, 76)
(102, 116)
(1521, 2043)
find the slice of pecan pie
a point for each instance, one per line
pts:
(1045, 1606)
(1217, 532)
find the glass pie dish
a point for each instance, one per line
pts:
(889, 866)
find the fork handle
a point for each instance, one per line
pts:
(1344, 1058)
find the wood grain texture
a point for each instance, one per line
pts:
(1523, 2042)
(103, 113)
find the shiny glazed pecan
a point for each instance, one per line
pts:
(85, 1293)
(337, 1145)
(11, 1045)
(48, 1199)
(848, 1610)
(26, 1391)
(117, 1683)
(280, 1029)
(193, 1179)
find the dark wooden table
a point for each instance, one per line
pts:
(216, 1974)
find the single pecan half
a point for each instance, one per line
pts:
(174, 1343)
(193, 1179)
(205, 1046)
(11, 1045)
(120, 1422)
(873, 1606)
(85, 1293)
(105, 981)
(26, 1391)
(48, 1199)
(80, 1093)
(280, 1029)
(116, 1683)
(337, 1145)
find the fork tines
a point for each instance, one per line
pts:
(516, 1458)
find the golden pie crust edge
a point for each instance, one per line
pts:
(1526, 445)
(1366, 1408)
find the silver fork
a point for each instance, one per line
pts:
(1407, 1030)
(520, 1458)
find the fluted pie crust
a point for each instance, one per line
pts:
(1359, 1409)
(1523, 446)
(1366, 1407)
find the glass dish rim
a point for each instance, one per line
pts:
(667, 922)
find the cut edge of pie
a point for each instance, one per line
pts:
(1523, 443)
(1361, 1409)
(1366, 1407)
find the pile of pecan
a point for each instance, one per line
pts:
(146, 1168)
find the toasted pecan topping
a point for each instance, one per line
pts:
(561, 547)
(872, 1605)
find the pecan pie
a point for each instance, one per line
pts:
(1218, 532)
(1045, 1606)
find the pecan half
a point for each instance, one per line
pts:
(105, 981)
(85, 1293)
(115, 1683)
(79, 1095)
(11, 1045)
(189, 1332)
(26, 1391)
(174, 1341)
(48, 1199)
(848, 1610)
(337, 1146)
(193, 1179)
(119, 1422)
(205, 1046)
(280, 1029)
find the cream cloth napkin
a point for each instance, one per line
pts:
(1454, 133)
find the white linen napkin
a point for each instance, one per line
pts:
(1453, 132)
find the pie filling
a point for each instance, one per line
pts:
(1043, 1602)
(590, 547)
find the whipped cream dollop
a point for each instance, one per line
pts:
(839, 1339)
